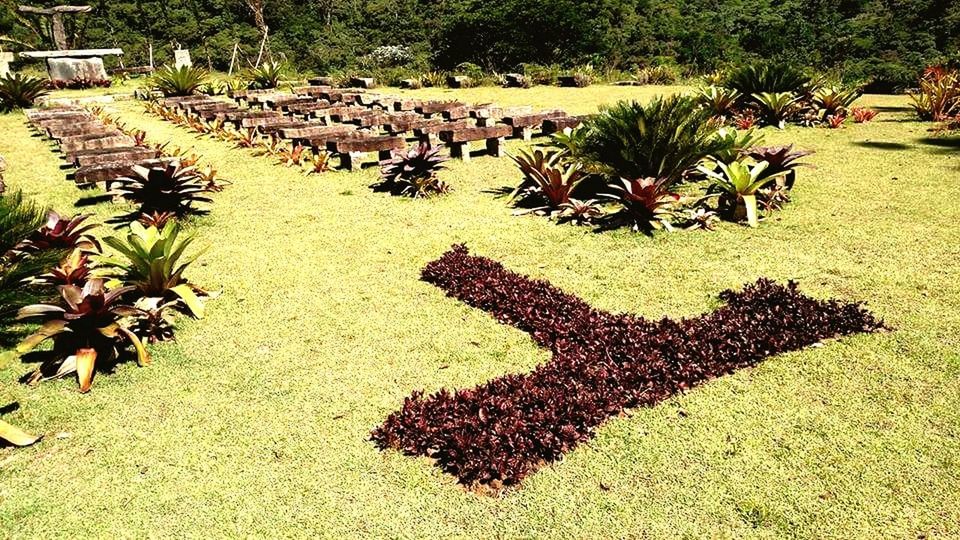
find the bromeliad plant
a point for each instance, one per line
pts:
(782, 161)
(163, 188)
(647, 203)
(266, 76)
(89, 326)
(721, 102)
(834, 100)
(60, 232)
(738, 183)
(413, 173)
(549, 178)
(939, 94)
(155, 262)
(777, 108)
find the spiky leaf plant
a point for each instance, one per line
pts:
(90, 325)
(738, 183)
(662, 139)
(413, 172)
(182, 81)
(834, 100)
(766, 77)
(163, 188)
(155, 260)
(61, 232)
(18, 91)
(777, 108)
(647, 203)
(721, 102)
(549, 178)
(18, 220)
(267, 76)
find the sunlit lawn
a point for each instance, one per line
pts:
(255, 422)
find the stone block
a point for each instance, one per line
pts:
(71, 69)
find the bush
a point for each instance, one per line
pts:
(766, 77)
(662, 139)
(21, 91)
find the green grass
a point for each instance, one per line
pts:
(255, 421)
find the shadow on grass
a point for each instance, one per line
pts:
(883, 145)
(941, 146)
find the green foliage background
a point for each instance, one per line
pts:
(886, 40)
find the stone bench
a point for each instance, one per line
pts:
(459, 81)
(459, 140)
(335, 95)
(322, 81)
(351, 150)
(306, 110)
(401, 105)
(427, 134)
(106, 172)
(311, 90)
(564, 124)
(429, 108)
(338, 114)
(261, 121)
(314, 135)
(72, 157)
(523, 125)
(73, 144)
(282, 102)
(126, 154)
(64, 119)
(273, 125)
(65, 131)
(489, 114)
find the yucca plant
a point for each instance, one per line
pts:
(778, 107)
(721, 102)
(662, 139)
(647, 203)
(738, 183)
(19, 91)
(90, 325)
(182, 81)
(163, 188)
(413, 172)
(267, 76)
(155, 262)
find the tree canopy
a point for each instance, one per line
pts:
(887, 41)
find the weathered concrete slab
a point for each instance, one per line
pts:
(131, 155)
(72, 69)
(72, 53)
(105, 172)
(109, 141)
(475, 134)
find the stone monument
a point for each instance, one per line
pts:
(66, 63)
(181, 58)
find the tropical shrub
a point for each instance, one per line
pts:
(18, 220)
(647, 203)
(939, 94)
(662, 139)
(738, 183)
(662, 74)
(163, 188)
(778, 108)
(548, 178)
(182, 81)
(721, 102)
(766, 77)
(90, 325)
(155, 262)
(19, 91)
(413, 172)
(834, 100)
(267, 76)
(495, 434)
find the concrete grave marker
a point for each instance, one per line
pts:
(181, 58)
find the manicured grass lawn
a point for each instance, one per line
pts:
(255, 422)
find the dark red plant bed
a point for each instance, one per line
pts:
(499, 432)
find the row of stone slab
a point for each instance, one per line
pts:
(97, 151)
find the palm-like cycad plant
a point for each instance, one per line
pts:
(18, 220)
(182, 81)
(662, 139)
(266, 76)
(19, 91)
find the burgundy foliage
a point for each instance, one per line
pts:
(499, 432)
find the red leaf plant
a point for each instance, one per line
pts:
(495, 434)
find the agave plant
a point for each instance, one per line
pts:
(182, 81)
(781, 161)
(738, 183)
(19, 91)
(720, 101)
(413, 172)
(163, 188)
(778, 107)
(155, 263)
(90, 325)
(647, 203)
(662, 139)
(266, 76)
(60, 232)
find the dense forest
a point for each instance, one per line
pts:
(883, 41)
